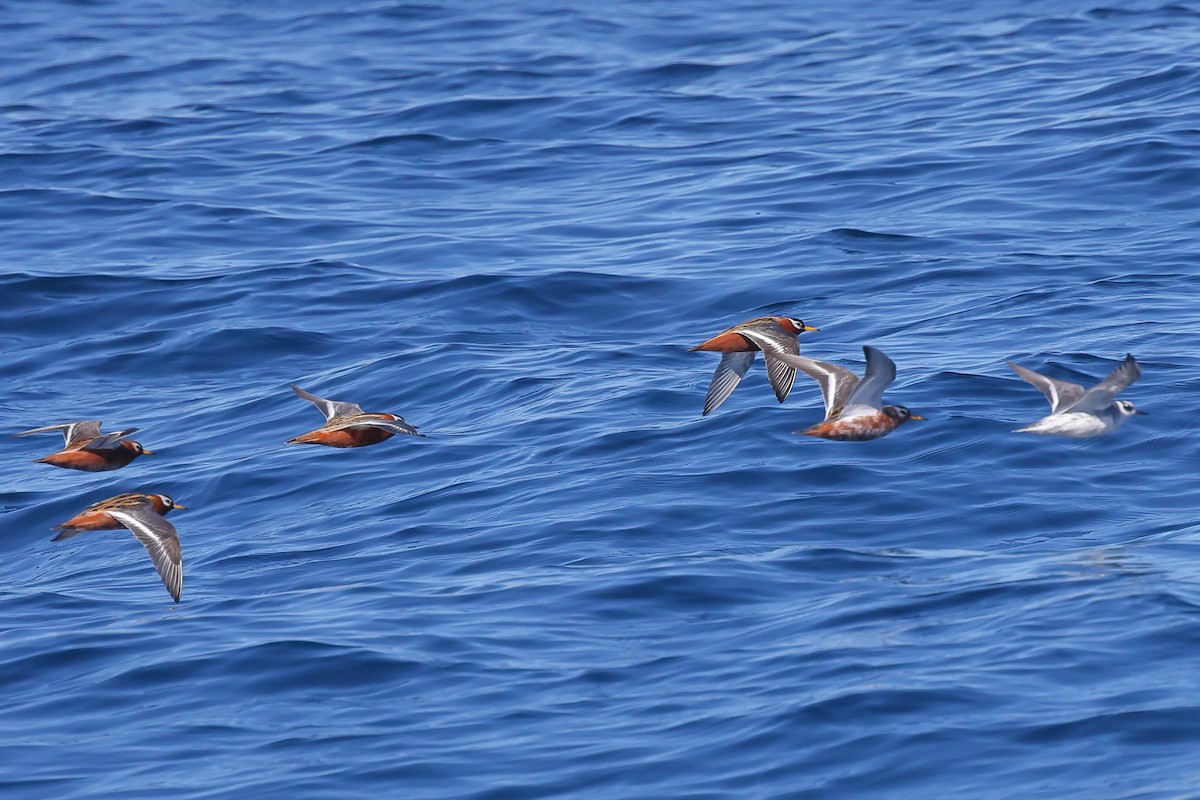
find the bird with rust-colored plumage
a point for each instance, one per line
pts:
(738, 345)
(854, 410)
(347, 425)
(143, 515)
(89, 450)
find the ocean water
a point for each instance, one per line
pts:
(508, 222)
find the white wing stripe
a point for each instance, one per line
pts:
(395, 426)
(781, 375)
(161, 542)
(330, 408)
(725, 379)
(836, 383)
(1059, 394)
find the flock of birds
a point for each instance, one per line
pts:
(854, 412)
(85, 448)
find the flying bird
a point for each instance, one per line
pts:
(738, 344)
(347, 425)
(854, 410)
(89, 450)
(143, 515)
(1082, 413)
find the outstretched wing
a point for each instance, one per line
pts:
(837, 384)
(107, 440)
(1060, 394)
(330, 408)
(393, 425)
(726, 378)
(867, 397)
(772, 339)
(161, 542)
(72, 431)
(1100, 396)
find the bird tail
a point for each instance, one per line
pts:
(65, 533)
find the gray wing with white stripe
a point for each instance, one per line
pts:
(1060, 394)
(72, 431)
(107, 440)
(1100, 396)
(330, 408)
(728, 375)
(837, 383)
(772, 339)
(393, 425)
(161, 542)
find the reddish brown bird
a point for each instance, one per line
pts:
(738, 346)
(142, 514)
(347, 425)
(89, 450)
(96, 517)
(854, 410)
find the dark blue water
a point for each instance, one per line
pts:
(507, 222)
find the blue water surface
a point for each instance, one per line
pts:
(508, 222)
